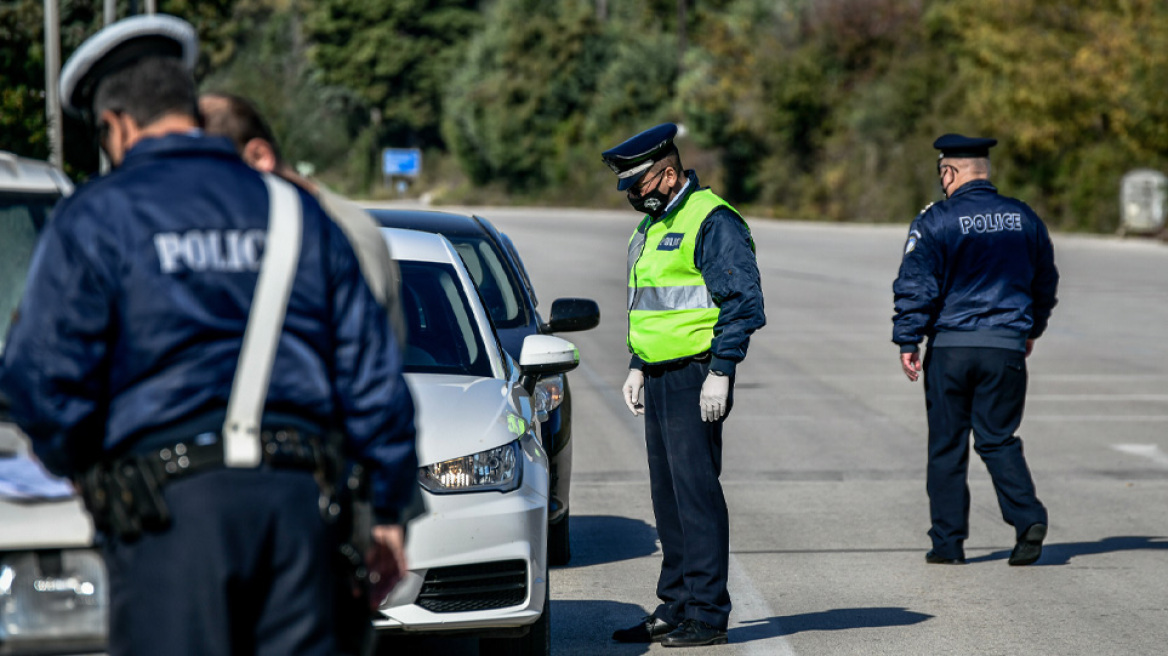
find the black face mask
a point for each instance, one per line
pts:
(652, 202)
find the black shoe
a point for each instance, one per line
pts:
(1029, 546)
(933, 559)
(694, 633)
(650, 629)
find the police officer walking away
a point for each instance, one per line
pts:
(122, 362)
(694, 299)
(978, 280)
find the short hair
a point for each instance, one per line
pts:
(239, 120)
(672, 160)
(147, 90)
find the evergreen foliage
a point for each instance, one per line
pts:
(813, 109)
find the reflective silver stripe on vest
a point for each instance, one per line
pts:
(661, 299)
(635, 245)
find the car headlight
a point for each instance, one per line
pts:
(499, 469)
(52, 598)
(547, 395)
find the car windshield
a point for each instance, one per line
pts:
(494, 279)
(442, 336)
(22, 216)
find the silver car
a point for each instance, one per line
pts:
(478, 556)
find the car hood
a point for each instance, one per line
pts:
(461, 415)
(29, 521)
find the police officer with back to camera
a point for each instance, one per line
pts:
(978, 280)
(122, 362)
(694, 299)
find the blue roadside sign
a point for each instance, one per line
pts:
(401, 162)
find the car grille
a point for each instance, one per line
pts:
(474, 587)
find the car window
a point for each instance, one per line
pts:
(442, 336)
(22, 216)
(514, 253)
(496, 282)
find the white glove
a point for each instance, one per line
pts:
(715, 391)
(632, 390)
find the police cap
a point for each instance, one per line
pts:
(956, 145)
(118, 45)
(636, 155)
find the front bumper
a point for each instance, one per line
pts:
(477, 561)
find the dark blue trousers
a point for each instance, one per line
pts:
(245, 568)
(685, 460)
(983, 390)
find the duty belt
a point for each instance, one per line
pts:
(125, 495)
(288, 448)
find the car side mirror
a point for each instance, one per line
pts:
(570, 314)
(544, 355)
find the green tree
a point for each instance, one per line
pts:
(517, 106)
(314, 123)
(396, 55)
(23, 123)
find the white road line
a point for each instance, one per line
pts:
(1106, 418)
(749, 607)
(1149, 451)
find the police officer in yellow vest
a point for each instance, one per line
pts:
(694, 298)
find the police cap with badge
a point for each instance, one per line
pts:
(636, 155)
(959, 146)
(118, 45)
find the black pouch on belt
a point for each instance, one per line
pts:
(125, 498)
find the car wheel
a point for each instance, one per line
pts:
(559, 546)
(537, 642)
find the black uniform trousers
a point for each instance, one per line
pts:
(685, 461)
(243, 569)
(984, 390)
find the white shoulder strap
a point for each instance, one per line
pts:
(249, 389)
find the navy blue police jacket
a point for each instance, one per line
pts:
(978, 270)
(137, 298)
(724, 253)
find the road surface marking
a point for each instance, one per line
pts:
(751, 607)
(1149, 451)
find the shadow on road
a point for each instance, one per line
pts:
(1061, 553)
(838, 619)
(425, 645)
(585, 627)
(598, 539)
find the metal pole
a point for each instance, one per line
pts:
(109, 15)
(151, 6)
(52, 93)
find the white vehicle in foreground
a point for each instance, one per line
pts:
(478, 556)
(53, 596)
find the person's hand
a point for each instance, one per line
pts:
(715, 392)
(386, 560)
(1029, 347)
(911, 364)
(632, 391)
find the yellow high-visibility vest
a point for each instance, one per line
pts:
(671, 313)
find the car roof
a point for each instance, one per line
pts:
(420, 246)
(31, 176)
(447, 223)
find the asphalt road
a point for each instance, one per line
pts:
(825, 455)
